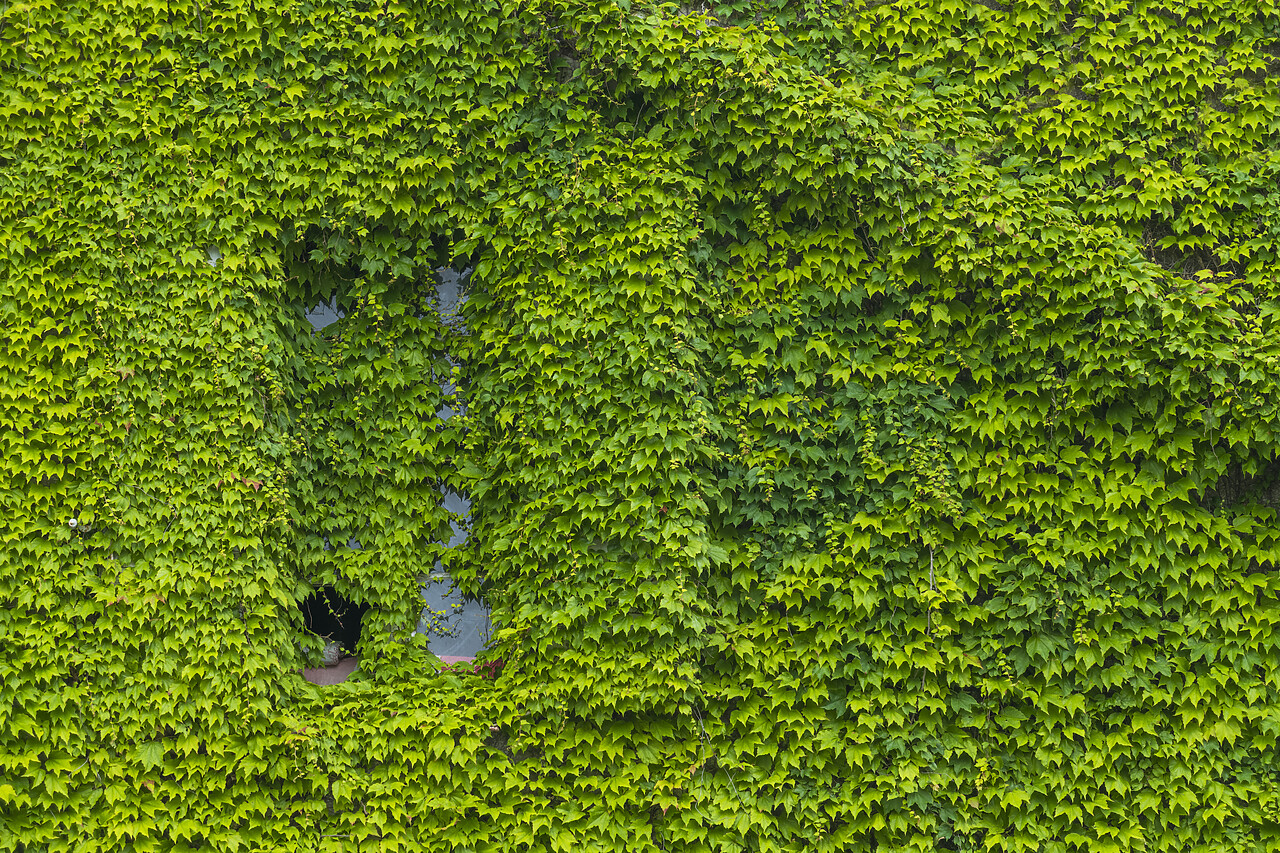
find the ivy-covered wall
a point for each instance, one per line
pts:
(870, 423)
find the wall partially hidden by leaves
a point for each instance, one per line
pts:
(871, 423)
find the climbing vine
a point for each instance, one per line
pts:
(868, 412)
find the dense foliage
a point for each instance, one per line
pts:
(870, 416)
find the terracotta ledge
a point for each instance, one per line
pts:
(456, 658)
(338, 673)
(335, 674)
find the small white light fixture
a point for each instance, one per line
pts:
(215, 255)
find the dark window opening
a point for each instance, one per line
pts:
(336, 620)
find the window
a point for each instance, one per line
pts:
(376, 385)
